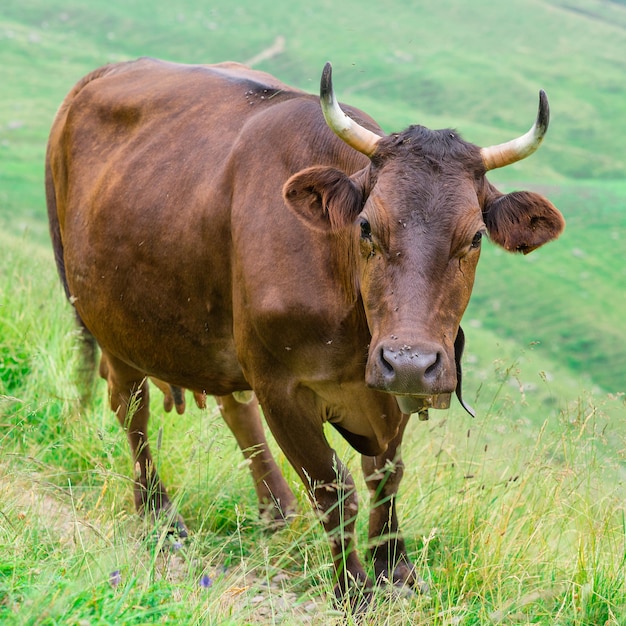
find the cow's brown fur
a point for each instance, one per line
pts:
(213, 233)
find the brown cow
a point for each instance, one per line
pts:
(220, 231)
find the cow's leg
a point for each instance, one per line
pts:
(129, 398)
(387, 550)
(276, 500)
(299, 432)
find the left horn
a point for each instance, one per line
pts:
(521, 147)
(355, 135)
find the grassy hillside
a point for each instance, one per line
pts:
(569, 297)
(476, 66)
(515, 517)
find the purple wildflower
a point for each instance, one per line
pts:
(115, 578)
(205, 581)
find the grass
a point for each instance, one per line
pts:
(515, 517)
(575, 287)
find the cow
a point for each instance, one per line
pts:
(222, 232)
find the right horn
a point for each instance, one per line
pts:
(355, 135)
(521, 147)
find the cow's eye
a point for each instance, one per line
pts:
(366, 229)
(477, 239)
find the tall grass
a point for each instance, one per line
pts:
(512, 518)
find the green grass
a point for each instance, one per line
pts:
(516, 517)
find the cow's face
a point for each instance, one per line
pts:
(419, 238)
(414, 229)
(414, 220)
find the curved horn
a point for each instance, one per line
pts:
(521, 147)
(359, 137)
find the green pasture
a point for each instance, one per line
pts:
(515, 517)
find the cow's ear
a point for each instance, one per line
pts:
(521, 221)
(324, 197)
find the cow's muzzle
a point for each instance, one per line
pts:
(420, 376)
(423, 369)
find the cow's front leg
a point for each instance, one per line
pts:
(276, 500)
(383, 474)
(129, 398)
(334, 498)
(299, 432)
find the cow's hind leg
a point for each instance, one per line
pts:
(129, 397)
(387, 550)
(276, 500)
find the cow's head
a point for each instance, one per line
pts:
(416, 216)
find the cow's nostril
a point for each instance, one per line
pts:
(387, 368)
(433, 368)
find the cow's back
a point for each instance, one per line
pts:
(154, 117)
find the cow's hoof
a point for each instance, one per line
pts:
(166, 528)
(405, 582)
(178, 529)
(354, 601)
(405, 575)
(418, 588)
(273, 516)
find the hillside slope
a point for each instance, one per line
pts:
(476, 66)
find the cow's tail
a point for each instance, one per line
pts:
(88, 353)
